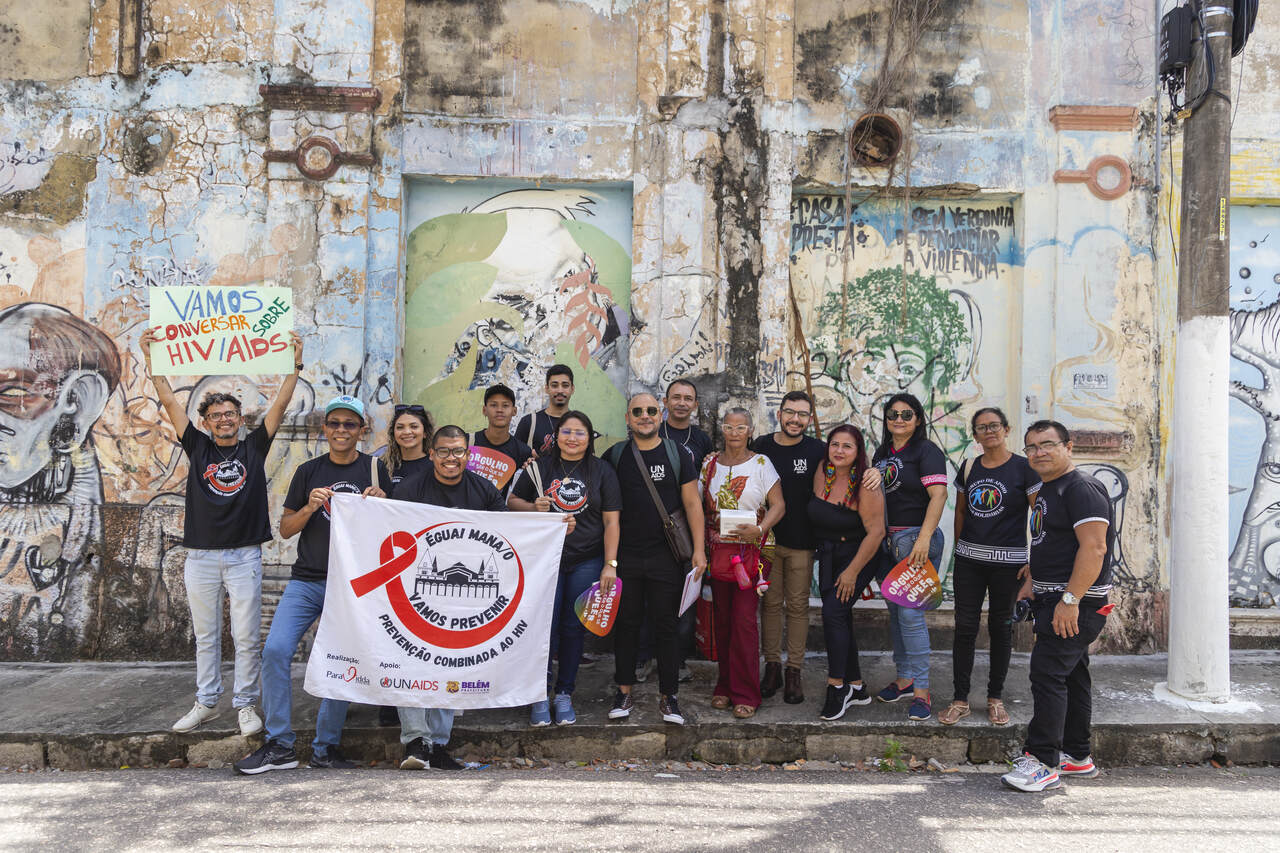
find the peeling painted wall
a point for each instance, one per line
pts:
(717, 124)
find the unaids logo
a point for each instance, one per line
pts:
(986, 497)
(1037, 521)
(226, 478)
(453, 585)
(891, 473)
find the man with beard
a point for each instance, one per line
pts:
(795, 456)
(306, 515)
(652, 579)
(225, 524)
(538, 430)
(425, 732)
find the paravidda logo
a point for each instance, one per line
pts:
(350, 675)
(473, 577)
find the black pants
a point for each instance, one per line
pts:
(973, 581)
(837, 615)
(1060, 685)
(651, 585)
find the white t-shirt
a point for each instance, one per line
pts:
(741, 486)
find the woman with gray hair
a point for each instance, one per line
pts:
(735, 479)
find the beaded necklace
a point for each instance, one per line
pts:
(829, 481)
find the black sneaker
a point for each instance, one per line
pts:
(441, 760)
(860, 695)
(669, 708)
(622, 705)
(415, 756)
(837, 703)
(331, 759)
(272, 755)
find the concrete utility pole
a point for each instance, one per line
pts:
(1199, 642)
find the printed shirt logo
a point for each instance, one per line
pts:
(891, 471)
(658, 473)
(800, 466)
(986, 498)
(1037, 521)
(341, 486)
(474, 577)
(226, 478)
(569, 494)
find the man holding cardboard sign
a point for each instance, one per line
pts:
(225, 525)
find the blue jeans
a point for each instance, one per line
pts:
(433, 725)
(906, 624)
(567, 633)
(239, 571)
(299, 608)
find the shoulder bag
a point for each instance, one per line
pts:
(674, 525)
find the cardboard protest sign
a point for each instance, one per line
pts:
(598, 609)
(907, 587)
(434, 607)
(213, 331)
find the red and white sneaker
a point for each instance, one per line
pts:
(1081, 768)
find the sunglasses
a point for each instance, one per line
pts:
(905, 417)
(349, 426)
(414, 408)
(637, 411)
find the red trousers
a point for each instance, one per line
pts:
(737, 642)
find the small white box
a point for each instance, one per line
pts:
(732, 519)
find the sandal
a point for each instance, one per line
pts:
(720, 703)
(955, 712)
(996, 713)
(742, 712)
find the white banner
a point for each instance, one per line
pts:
(434, 607)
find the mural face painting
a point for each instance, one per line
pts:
(892, 300)
(56, 374)
(505, 280)
(1255, 406)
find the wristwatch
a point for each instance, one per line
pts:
(298, 366)
(611, 563)
(1069, 599)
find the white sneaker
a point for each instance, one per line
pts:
(197, 715)
(250, 722)
(1029, 774)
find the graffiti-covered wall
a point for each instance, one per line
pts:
(503, 280)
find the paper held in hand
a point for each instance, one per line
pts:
(692, 589)
(907, 587)
(732, 519)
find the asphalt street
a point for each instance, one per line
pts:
(649, 807)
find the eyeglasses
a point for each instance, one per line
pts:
(349, 426)
(905, 416)
(222, 416)
(735, 429)
(573, 433)
(1042, 447)
(446, 452)
(414, 408)
(637, 411)
(984, 428)
(794, 413)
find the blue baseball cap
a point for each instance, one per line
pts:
(346, 401)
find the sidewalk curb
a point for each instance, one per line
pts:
(714, 743)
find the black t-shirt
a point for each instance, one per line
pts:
(640, 526)
(1061, 506)
(691, 438)
(322, 472)
(908, 474)
(586, 489)
(226, 491)
(408, 468)
(538, 430)
(795, 464)
(497, 463)
(471, 492)
(995, 510)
